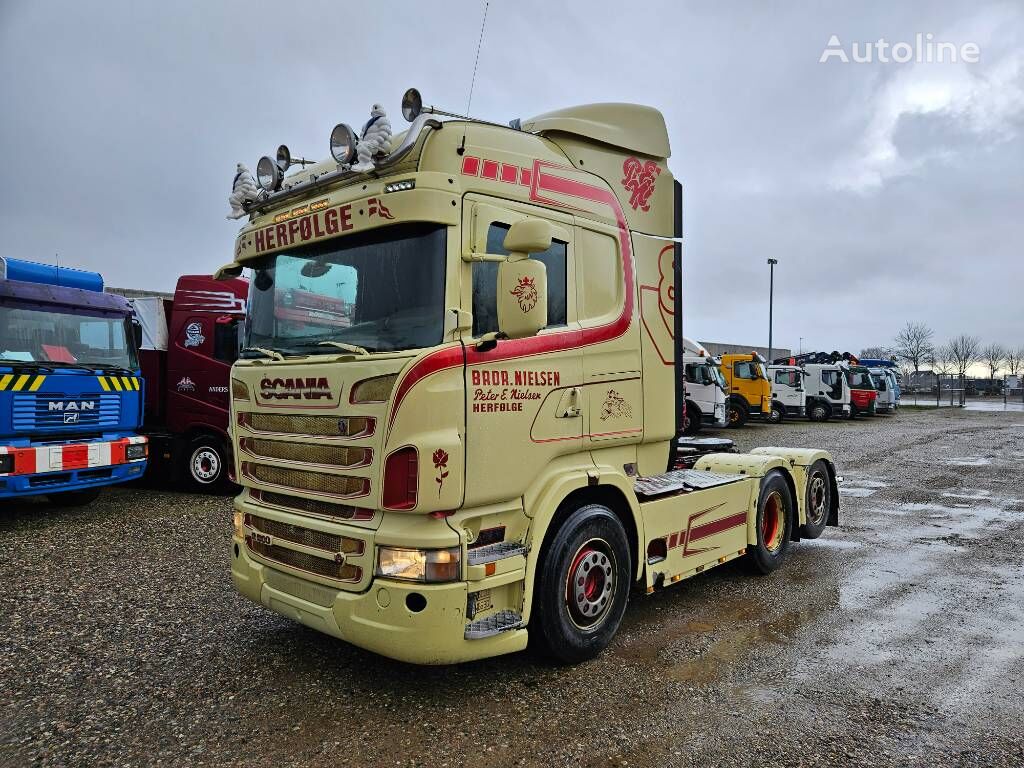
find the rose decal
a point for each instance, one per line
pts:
(440, 458)
(525, 293)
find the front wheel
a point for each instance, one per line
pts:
(80, 498)
(777, 414)
(691, 420)
(737, 414)
(819, 412)
(774, 523)
(582, 586)
(819, 500)
(207, 464)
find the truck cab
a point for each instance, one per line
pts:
(887, 382)
(863, 390)
(190, 342)
(70, 387)
(705, 393)
(827, 391)
(750, 391)
(456, 413)
(789, 395)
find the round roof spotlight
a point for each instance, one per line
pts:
(343, 144)
(412, 104)
(268, 174)
(284, 157)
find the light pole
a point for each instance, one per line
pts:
(771, 299)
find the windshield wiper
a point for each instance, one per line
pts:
(273, 354)
(342, 345)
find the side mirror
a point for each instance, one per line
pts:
(137, 333)
(522, 282)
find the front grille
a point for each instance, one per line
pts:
(300, 588)
(304, 562)
(322, 426)
(318, 482)
(307, 537)
(312, 506)
(314, 454)
(32, 410)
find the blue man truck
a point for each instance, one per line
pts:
(71, 393)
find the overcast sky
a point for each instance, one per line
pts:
(888, 192)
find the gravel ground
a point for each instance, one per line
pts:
(897, 639)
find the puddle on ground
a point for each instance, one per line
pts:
(861, 487)
(838, 543)
(967, 461)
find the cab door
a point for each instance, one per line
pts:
(524, 404)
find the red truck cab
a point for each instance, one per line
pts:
(862, 390)
(189, 344)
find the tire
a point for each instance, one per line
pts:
(776, 414)
(819, 411)
(853, 412)
(206, 464)
(583, 584)
(80, 498)
(774, 523)
(737, 414)
(818, 503)
(692, 419)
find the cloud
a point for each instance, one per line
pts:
(984, 100)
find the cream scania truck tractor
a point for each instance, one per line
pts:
(456, 411)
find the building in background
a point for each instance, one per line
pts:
(716, 349)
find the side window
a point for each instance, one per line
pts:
(485, 282)
(743, 371)
(786, 378)
(691, 373)
(227, 339)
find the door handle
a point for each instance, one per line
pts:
(569, 405)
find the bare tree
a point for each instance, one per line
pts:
(1015, 361)
(941, 359)
(994, 357)
(914, 344)
(879, 353)
(964, 351)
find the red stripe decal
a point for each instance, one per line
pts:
(525, 176)
(470, 165)
(542, 181)
(490, 169)
(717, 526)
(509, 173)
(24, 461)
(74, 457)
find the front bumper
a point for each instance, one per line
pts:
(69, 467)
(381, 619)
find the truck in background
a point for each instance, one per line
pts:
(789, 395)
(750, 392)
(189, 342)
(887, 373)
(705, 389)
(863, 390)
(827, 391)
(70, 389)
(476, 449)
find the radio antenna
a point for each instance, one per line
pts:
(472, 82)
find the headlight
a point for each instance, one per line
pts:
(343, 144)
(426, 565)
(6, 463)
(136, 451)
(239, 521)
(268, 174)
(239, 390)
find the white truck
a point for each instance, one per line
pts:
(888, 390)
(827, 390)
(706, 391)
(789, 395)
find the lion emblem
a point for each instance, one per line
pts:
(615, 407)
(525, 293)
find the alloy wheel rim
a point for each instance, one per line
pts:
(205, 465)
(772, 522)
(590, 584)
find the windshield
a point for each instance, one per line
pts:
(860, 380)
(716, 374)
(64, 337)
(382, 291)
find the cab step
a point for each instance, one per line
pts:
(681, 480)
(493, 552)
(503, 621)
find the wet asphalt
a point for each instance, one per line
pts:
(896, 639)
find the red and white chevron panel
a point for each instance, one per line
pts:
(61, 458)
